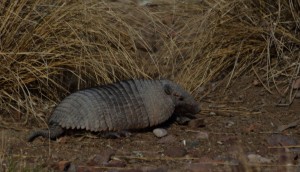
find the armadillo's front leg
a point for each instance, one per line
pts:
(183, 119)
(54, 132)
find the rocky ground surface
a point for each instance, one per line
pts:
(240, 128)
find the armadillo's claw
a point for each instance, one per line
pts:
(117, 134)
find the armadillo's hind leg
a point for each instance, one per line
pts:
(54, 132)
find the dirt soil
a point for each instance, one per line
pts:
(238, 134)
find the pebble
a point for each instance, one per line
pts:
(212, 113)
(220, 142)
(229, 124)
(160, 132)
(254, 158)
(202, 135)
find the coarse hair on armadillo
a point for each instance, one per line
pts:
(125, 105)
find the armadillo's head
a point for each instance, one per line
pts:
(184, 102)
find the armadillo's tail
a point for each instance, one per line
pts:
(54, 132)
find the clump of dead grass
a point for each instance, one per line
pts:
(51, 47)
(231, 38)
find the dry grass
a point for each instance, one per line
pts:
(51, 47)
(231, 38)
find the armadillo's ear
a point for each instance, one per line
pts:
(168, 89)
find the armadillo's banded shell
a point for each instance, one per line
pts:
(129, 104)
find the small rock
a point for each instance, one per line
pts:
(254, 158)
(296, 84)
(137, 154)
(202, 135)
(168, 139)
(160, 132)
(219, 142)
(212, 113)
(184, 142)
(229, 124)
(175, 151)
(196, 123)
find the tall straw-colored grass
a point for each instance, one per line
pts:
(50, 48)
(231, 38)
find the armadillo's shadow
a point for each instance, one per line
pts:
(174, 119)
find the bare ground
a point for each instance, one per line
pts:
(238, 134)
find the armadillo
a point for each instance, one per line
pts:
(125, 105)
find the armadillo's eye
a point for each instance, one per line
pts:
(181, 98)
(176, 94)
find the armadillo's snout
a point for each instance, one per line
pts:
(188, 108)
(197, 108)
